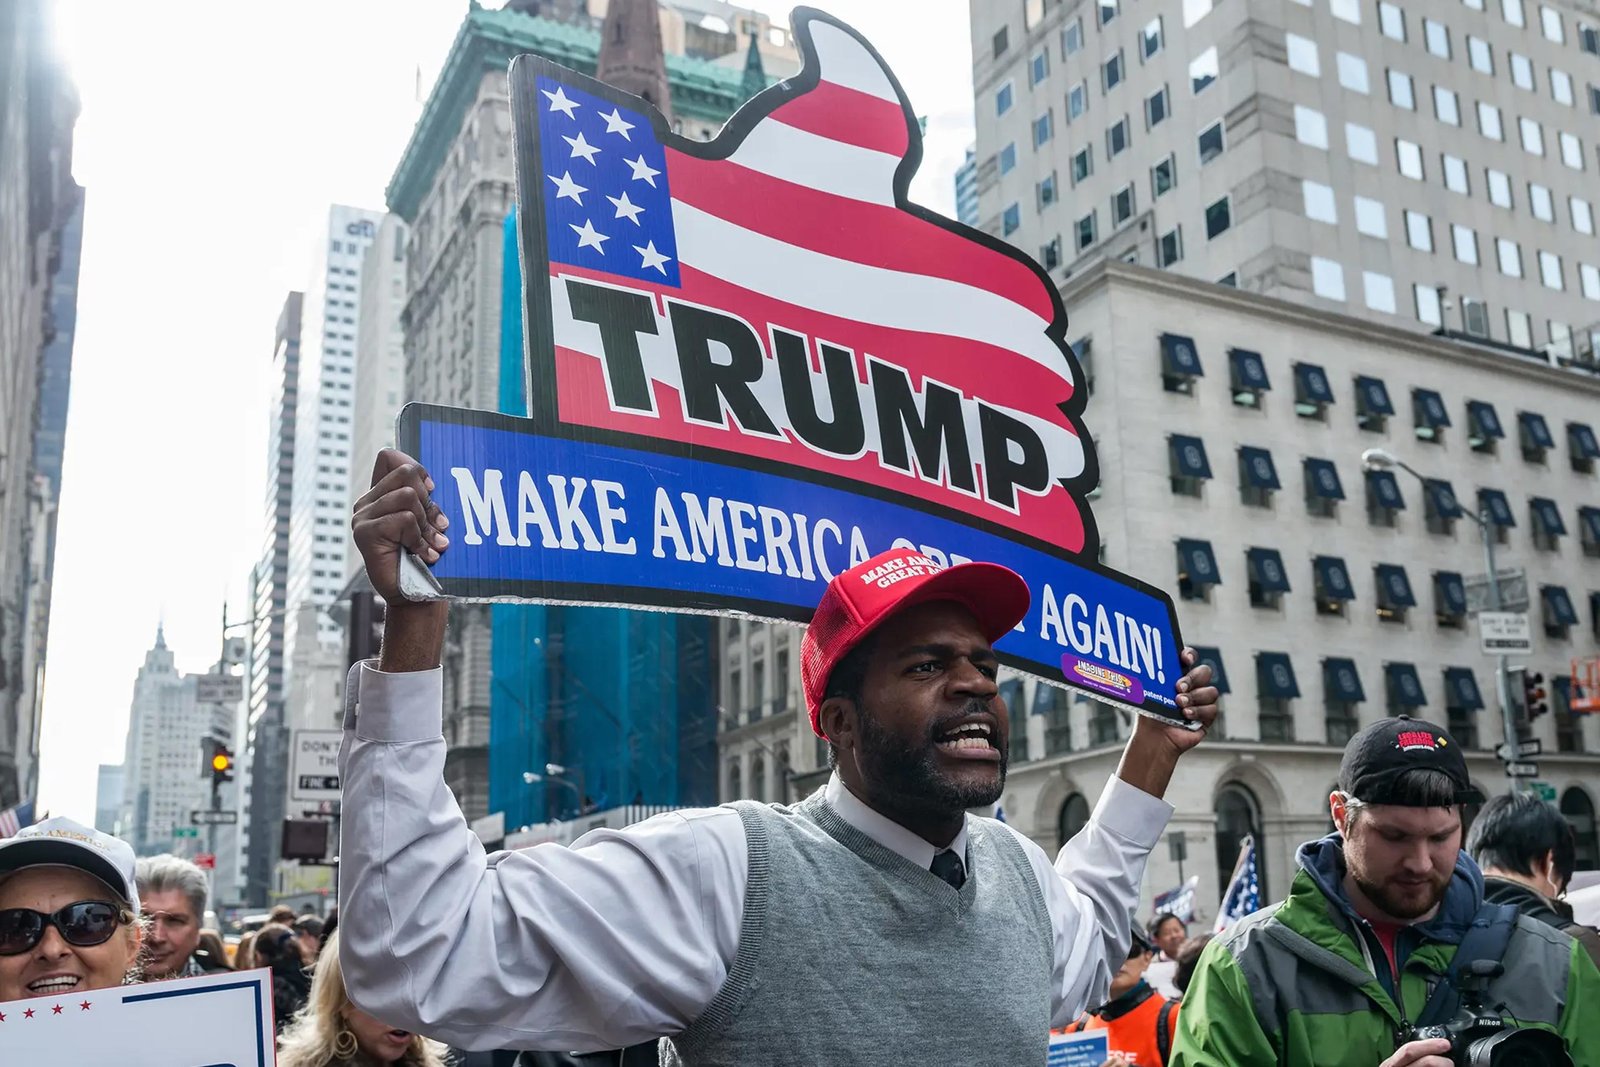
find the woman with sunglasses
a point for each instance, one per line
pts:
(278, 949)
(68, 911)
(332, 1032)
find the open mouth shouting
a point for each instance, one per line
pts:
(972, 737)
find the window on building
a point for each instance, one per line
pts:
(1111, 71)
(1004, 97)
(1561, 87)
(1044, 128)
(1157, 107)
(1211, 143)
(1583, 447)
(1419, 231)
(1082, 164)
(1571, 150)
(1346, 10)
(1436, 38)
(1310, 126)
(1379, 291)
(1464, 239)
(1522, 72)
(1353, 72)
(1203, 70)
(1169, 249)
(1509, 255)
(1499, 184)
(1238, 819)
(1480, 55)
(1118, 138)
(1455, 174)
(1401, 90)
(1384, 501)
(1550, 271)
(1371, 218)
(1050, 254)
(1446, 106)
(1151, 38)
(1408, 158)
(1360, 143)
(1010, 220)
(1582, 215)
(1532, 136)
(1519, 328)
(1320, 204)
(1541, 203)
(1122, 205)
(1077, 100)
(1008, 158)
(1303, 55)
(1197, 570)
(1589, 280)
(1489, 122)
(1085, 231)
(1163, 176)
(1109, 9)
(1072, 38)
(1327, 278)
(1391, 20)
(1045, 191)
(1039, 68)
(1550, 23)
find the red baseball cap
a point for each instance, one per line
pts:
(867, 594)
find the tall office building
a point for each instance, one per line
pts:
(39, 250)
(967, 189)
(1430, 163)
(454, 188)
(380, 369)
(161, 764)
(108, 799)
(265, 752)
(1358, 176)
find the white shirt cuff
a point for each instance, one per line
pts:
(400, 708)
(1132, 814)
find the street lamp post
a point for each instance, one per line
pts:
(555, 772)
(1379, 459)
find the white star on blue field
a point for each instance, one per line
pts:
(607, 204)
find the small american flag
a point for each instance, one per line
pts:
(14, 819)
(1243, 894)
(801, 226)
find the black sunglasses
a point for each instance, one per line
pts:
(84, 924)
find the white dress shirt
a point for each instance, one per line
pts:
(627, 935)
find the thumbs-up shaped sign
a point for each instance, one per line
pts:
(772, 296)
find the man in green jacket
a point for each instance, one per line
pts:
(1337, 974)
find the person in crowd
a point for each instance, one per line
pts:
(332, 1032)
(1527, 850)
(244, 953)
(1138, 1020)
(211, 954)
(173, 892)
(69, 911)
(282, 914)
(751, 933)
(1168, 932)
(1188, 956)
(308, 928)
(1339, 973)
(329, 925)
(278, 949)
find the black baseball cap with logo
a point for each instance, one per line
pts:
(1377, 756)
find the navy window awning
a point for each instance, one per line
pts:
(1535, 431)
(1581, 436)
(1484, 420)
(1322, 479)
(1394, 588)
(1589, 523)
(1449, 593)
(1213, 657)
(1312, 381)
(1275, 676)
(1558, 609)
(1405, 686)
(1256, 468)
(1197, 563)
(1189, 457)
(1547, 516)
(1461, 689)
(1266, 569)
(1249, 370)
(1429, 408)
(1341, 681)
(1333, 578)
(1442, 500)
(1499, 508)
(1385, 490)
(1179, 357)
(1374, 396)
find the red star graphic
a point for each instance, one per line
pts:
(2, 1016)
(56, 1010)
(84, 1006)
(28, 1014)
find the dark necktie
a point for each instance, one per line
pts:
(948, 865)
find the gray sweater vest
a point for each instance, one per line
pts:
(851, 954)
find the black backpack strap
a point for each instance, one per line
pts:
(1485, 939)
(1164, 1030)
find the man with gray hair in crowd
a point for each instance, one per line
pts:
(173, 893)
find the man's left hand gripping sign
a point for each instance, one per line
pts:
(753, 362)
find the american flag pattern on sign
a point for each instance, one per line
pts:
(14, 819)
(1243, 895)
(798, 229)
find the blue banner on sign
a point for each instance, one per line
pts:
(1088, 1049)
(533, 516)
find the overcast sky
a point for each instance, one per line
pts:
(213, 137)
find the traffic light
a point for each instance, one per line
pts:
(219, 761)
(1534, 696)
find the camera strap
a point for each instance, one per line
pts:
(1485, 939)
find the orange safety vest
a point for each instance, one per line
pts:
(1143, 1033)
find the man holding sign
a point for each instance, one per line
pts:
(832, 931)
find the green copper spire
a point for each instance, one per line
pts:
(755, 76)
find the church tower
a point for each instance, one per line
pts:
(631, 52)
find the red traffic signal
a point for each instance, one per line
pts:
(1534, 696)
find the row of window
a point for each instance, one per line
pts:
(1392, 23)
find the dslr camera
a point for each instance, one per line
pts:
(1480, 1038)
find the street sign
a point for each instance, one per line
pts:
(1513, 591)
(219, 689)
(1529, 747)
(314, 764)
(185, 831)
(1543, 790)
(1524, 769)
(214, 818)
(1504, 632)
(206, 861)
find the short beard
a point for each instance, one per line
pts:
(1398, 908)
(907, 776)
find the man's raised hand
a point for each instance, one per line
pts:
(397, 513)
